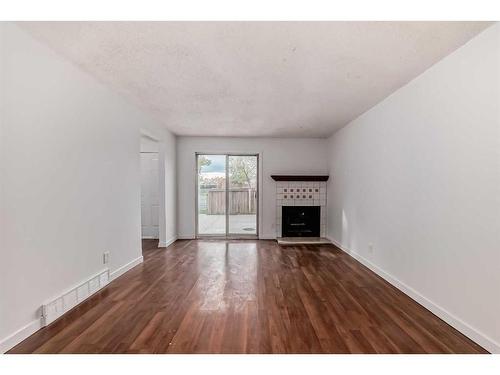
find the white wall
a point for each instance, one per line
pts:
(149, 144)
(278, 156)
(70, 179)
(419, 177)
(168, 185)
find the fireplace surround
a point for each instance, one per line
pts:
(300, 193)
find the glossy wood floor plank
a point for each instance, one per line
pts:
(248, 297)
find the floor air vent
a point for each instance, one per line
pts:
(58, 306)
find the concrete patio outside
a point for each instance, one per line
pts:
(216, 224)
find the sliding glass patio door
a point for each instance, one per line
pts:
(227, 195)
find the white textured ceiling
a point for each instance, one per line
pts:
(296, 79)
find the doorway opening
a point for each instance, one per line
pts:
(150, 186)
(227, 195)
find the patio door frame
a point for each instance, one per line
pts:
(227, 214)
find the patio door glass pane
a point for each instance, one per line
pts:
(242, 190)
(211, 194)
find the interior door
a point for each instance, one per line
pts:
(149, 195)
(242, 195)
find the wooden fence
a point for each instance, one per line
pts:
(241, 202)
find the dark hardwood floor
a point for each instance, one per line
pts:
(248, 297)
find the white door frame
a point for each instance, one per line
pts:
(162, 228)
(150, 196)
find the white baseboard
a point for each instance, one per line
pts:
(21, 334)
(58, 306)
(168, 242)
(267, 237)
(120, 271)
(476, 336)
(185, 237)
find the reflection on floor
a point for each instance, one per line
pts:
(248, 297)
(216, 224)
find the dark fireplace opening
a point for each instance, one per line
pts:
(300, 221)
